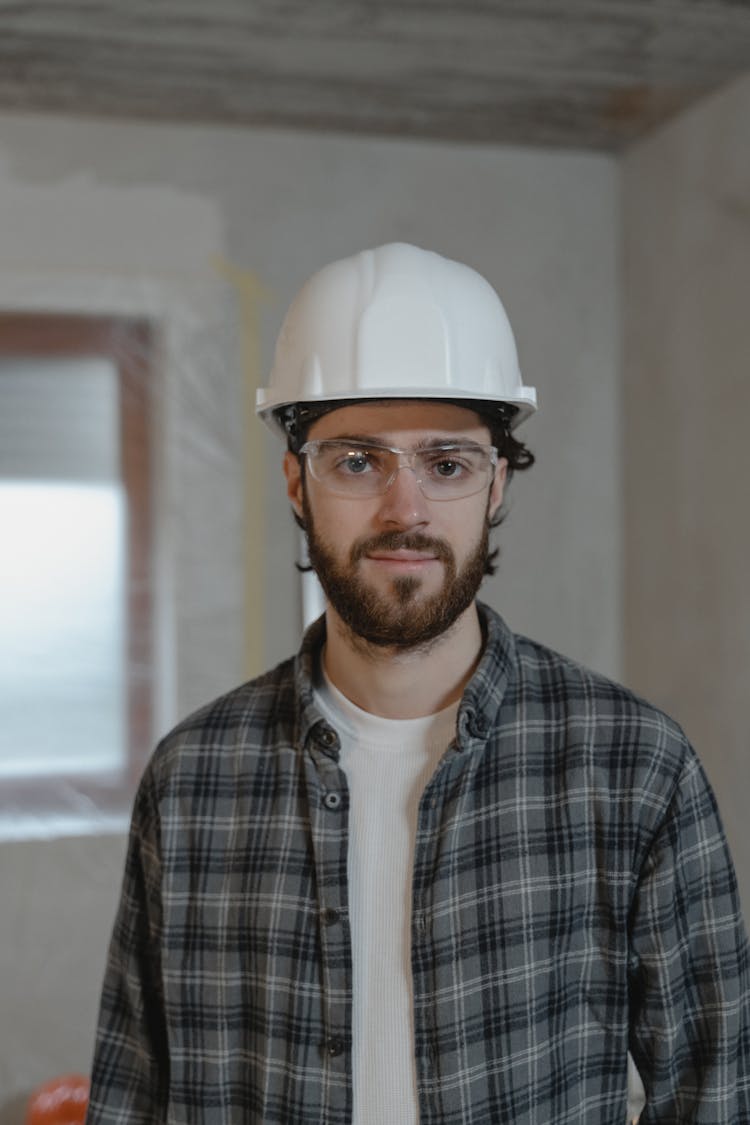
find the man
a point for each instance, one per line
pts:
(428, 871)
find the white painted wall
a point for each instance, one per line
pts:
(686, 219)
(132, 217)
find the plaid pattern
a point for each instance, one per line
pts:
(573, 898)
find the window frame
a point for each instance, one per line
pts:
(129, 343)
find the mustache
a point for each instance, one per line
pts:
(401, 541)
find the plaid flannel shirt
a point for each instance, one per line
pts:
(573, 898)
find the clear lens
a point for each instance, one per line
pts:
(444, 472)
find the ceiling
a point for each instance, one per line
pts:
(593, 74)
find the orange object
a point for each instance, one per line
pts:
(61, 1101)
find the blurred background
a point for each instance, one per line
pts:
(169, 175)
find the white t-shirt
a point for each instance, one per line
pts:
(387, 763)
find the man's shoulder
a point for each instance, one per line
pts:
(556, 689)
(245, 718)
(584, 696)
(245, 704)
(603, 733)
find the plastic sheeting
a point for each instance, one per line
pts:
(128, 573)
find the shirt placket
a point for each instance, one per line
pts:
(329, 815)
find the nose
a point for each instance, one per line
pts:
(404, 505)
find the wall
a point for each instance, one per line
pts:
(127, 216)
(73, 243)
(686, 224)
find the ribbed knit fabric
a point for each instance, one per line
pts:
(387, 763)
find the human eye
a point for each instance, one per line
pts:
(356, 462)
(449, 468)
(353, 460)
(450, 463)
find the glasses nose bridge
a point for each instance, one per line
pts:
(404, 459)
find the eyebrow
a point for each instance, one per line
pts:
(426, 443)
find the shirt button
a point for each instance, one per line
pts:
(331, 916)
(481, 726)
(332, 800)
(327, 737)
(334, 1047)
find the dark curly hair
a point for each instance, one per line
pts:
(297, 418)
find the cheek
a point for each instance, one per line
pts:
(335, 523)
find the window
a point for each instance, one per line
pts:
(76, 565)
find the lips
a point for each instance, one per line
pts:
(400, 556)
(399, 547)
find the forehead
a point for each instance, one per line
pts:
(390, 421)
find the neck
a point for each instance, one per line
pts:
(403, 684)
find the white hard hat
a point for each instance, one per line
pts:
(396, 322)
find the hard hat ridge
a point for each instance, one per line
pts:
(395, 322)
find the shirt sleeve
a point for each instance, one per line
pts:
(130, 1074)
(690, 992)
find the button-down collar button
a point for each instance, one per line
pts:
(332, 801)
(330, 916)
(327, 737)
(481, 726)
(334, 1046)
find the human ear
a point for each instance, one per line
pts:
(497, 489)
(293, 476)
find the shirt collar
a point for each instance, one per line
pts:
(485, 691)
(484, 694)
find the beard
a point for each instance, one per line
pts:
(404, 618)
